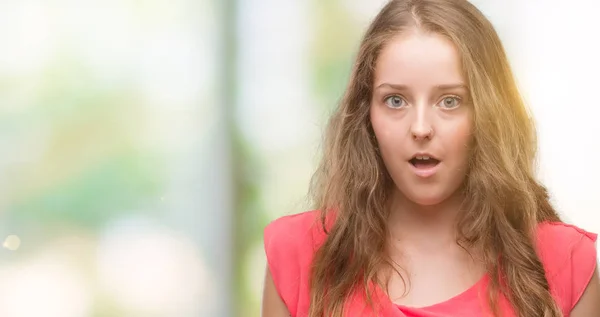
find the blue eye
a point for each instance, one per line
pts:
(450, 102)
(394, 102)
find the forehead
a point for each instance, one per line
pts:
(419, 59)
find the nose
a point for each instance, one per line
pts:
(422, 127)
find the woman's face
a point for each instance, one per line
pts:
(421, 116)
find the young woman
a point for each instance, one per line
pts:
(426, 200)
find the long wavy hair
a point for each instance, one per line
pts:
(503, 200)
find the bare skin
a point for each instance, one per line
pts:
(589, 303)
(272, 304)
(421, 104)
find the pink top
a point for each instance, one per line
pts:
(567, 252)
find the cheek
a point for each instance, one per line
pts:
(459, 140)
(389, 130)
(380, 127)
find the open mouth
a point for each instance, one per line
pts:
(424, 161)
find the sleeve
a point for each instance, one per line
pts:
(281, 243)
(570, 258)
(582, 266)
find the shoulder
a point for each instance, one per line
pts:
(293, 224)
(558, 243)
(290, 243)
(293, 233)
(569, 256)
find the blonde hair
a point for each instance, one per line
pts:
(504, 202)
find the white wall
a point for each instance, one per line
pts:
(554, 48)
(555, 52)
(556, 56)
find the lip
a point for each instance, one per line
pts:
(425, 172)
(428, 171)
(424, 154)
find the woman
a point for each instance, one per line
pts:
(427, 205)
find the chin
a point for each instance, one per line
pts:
(426, 198)
(426, 201)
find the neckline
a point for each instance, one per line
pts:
(467, 293)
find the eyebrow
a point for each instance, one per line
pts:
(437, 87)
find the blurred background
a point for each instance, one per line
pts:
(145, 144)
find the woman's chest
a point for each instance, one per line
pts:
(425, 279)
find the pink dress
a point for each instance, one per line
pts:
(567, 252)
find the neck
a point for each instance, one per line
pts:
(431, 225)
